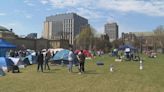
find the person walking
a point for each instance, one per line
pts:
(47, 58)
(70, 59)
(81, 58)
(40, 61)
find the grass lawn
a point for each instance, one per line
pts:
(126, 78)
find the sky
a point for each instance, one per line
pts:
(28, 16)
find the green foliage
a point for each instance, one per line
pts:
(85, 38)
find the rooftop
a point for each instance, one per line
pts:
(3, 29)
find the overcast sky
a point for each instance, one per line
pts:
(27, 16)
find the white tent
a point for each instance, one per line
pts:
(17, 61)
(55, 50)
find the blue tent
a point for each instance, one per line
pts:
(32, 59)
(4, 46)
(123, 47)
(62, 57)
(6, 63)
(2, 73)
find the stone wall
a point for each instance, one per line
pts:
(38, 44)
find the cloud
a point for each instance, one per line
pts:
(148, 7)
(44, 1)
(87, 13)
(29, 2)
(28, 16)
(2, 14)
(151, 7)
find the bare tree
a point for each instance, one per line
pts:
(159, 37)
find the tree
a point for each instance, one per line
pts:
(85, 38)
(159, 37)
(117, 43)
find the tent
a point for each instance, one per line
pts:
(123, 47)
(87, 53)
(25, 60)
(76, 51)
(4, 46)
(53, 51)
(32, 59)
(18, 62)
(2, 73)
(61, 57)
(6, 63)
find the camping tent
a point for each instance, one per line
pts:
(54, 51)
(18, 62)
(25, 60)
(123, 47)
(61, 57)
(87, 53)
(6, 63)
(4, 46)
(2, 73)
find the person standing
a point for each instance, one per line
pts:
(81, 58)
(47, 58)
(40, 61)
(70, 59)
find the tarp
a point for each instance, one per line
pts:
(61, 57)
(4, 44)
(6, 63)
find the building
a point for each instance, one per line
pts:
(63, 26)
(32, 36)
(139, 34)
(105, 37)
(112, 30)
(128, 37)
(5, 33)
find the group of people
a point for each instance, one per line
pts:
(44, 57)
(126, 54)
(80, 57)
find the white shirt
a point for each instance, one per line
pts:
(70, 56)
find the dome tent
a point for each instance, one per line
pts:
(2, 73)
(6, 63)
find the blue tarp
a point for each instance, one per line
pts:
(4, 46)
(62, 57)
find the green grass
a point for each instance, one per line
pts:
(126, 78)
